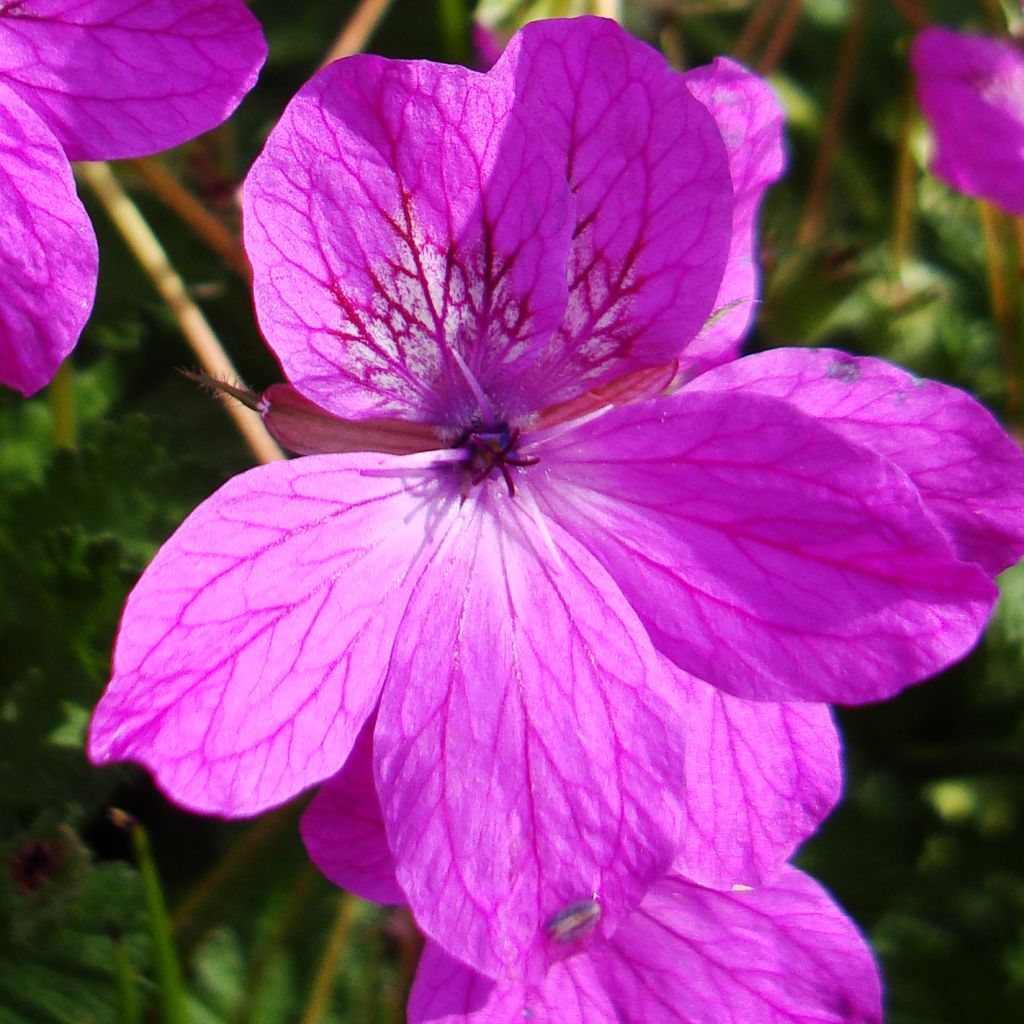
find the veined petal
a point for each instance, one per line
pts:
(971, 91)
(121, 78)
(782, 954)
(344, 832)
(528, 756)
(254, 647)
(48, 257)
(760, 779)
(751, 122)
(765, 553)
(448, 992)
(653, 199)
(400, 213)
(969, 471)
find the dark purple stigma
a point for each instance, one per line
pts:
(490, 450)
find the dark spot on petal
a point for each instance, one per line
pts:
(842, 370)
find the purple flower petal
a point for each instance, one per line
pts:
(760, 779)
(344, 831)
(969, 472)
(763, 552)
(527, 753)
(254, 647)
(777, 955)
(48, 256)
(783, 954)
(120, 78)
(751, 122)
(971, 90)
(448, 992)
(650, 178)
(401, 212)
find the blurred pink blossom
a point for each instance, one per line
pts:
(971, 90)
(94, 80)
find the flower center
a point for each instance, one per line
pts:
(491, 451)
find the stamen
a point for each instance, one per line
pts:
(483, 402)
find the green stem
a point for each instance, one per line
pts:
(454, 19)
(168, 970)
(239, 857)
(831, 135)
(61, 394)
(753, 31)
(128, 994)
(1004, 309)
(327, 972)
(301, 893)
(903, 191)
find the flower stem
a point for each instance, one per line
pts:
(903, 186)
(849, 52)
(327, 971)
(300, 895)
(358, 29)
(995, 20)
(237, 858)
(146, 248)
(194, 213)
(1003, 307)
(410, 948)
(671, 44)
(165, 956)
(754, 29)
(454, 24)
(914, 11)
(779, 40)
(128, 993)
(61, 395)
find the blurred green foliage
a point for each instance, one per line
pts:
(927, 851)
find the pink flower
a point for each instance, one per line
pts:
(777, 954)
(781, 954)
(490, 281)
(94, 80)
(971, 90)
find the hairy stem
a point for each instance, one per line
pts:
(914, 11)
(193, 212)
(150, 254)
(781, 37)
(358, 29)
(903, 185)
(824, 162)
(1004, 310)
(327, 971)
(754, 29)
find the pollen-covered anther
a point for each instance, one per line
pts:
(490, 450)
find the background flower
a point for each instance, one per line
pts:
(94, 80)
(971, 90)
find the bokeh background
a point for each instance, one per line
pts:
(861, 249)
